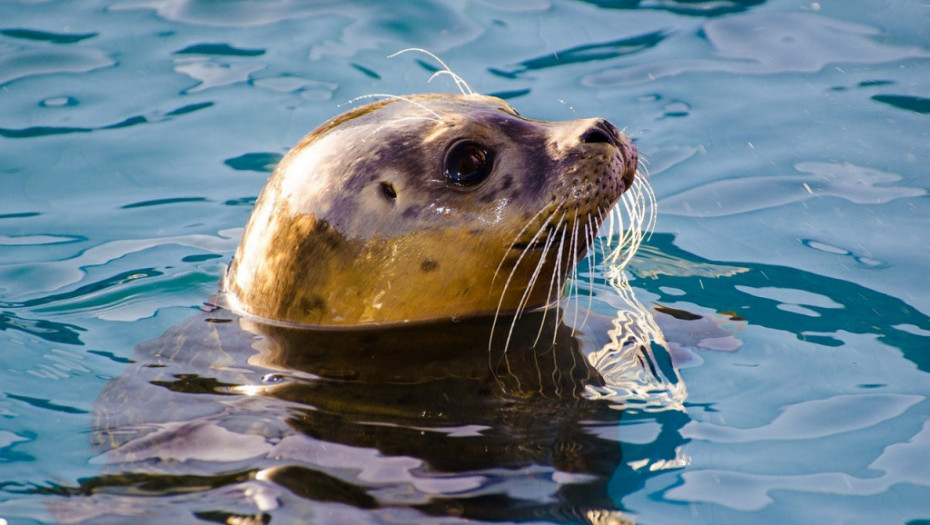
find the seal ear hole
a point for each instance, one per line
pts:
(388, 190)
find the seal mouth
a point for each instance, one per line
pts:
(537, 245)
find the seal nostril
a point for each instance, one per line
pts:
(595, 136)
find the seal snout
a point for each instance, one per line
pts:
(602, 131)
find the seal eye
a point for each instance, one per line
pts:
(468, 163)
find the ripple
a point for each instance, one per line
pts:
(9, 438)
(825, 247)
(197, 440)
(54, 276)
(651, 262)
(38, 240)
(201, 257)
(162, 202)
(874, 83)
(903, 462)
(912, 329)
(58, 102)
(864, 260)
(706, 8)
(44, 329)
(307, 88)
(585, 53)
(33, 62)
(767, 43)
(677, 108)
(46, 404)
(856, 184)
(190, 108)
(135, 120)
(811, 419)
(210, 74)
(219, 49)
(45, 36)
(510, 94)
(790, 296)
(20, 215)
(664, 158)
(59, 364)
(241, 201)
(88, 289)
(434, 26)
(230, 14)
(40, 131)
(368, 72)
(260, 162)
(916, 104)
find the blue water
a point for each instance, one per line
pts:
(786, 141)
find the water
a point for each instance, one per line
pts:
(786, 142)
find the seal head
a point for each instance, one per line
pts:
(427, 207)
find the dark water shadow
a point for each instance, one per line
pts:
(223, 417)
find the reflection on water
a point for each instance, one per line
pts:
(389, 421)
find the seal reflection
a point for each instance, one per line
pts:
(411, 419)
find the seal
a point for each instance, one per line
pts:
(427, 207)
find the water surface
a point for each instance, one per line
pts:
(787, 145)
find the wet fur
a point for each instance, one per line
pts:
(359, 227)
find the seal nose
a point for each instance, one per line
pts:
(601, 131)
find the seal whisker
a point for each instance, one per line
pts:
(606, 215)
(552, 280)
(513, 272)
(556, 374)
(517, 237)
(459, 81)
(506, 360)
(643, 185)
(539, 375)
(597, 242)
(610, 226)
(526, 292)
(604, 246)
(574, 241)
(559, 285)
(608, 249)
(621, 235)
(589, 235)
(642, 217)
(395, 97)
